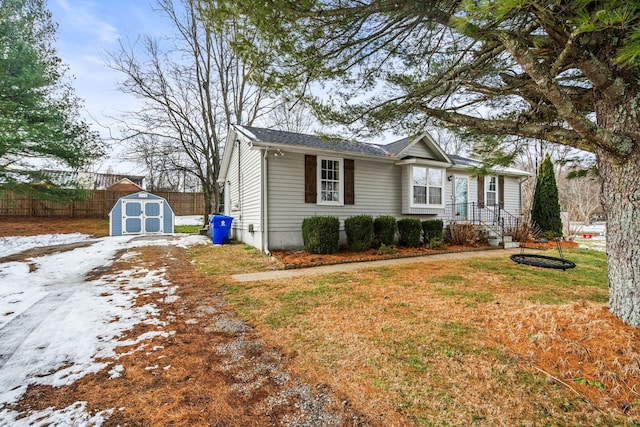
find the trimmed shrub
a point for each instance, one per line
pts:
(359, 230)
(321, 234)
(432, 229)
(384, 230)
(409, 231)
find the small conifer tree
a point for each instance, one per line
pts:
(545, 211)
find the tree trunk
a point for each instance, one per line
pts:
(621, 203)
(210, 201)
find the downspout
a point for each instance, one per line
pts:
(264, 222)
(522, 181)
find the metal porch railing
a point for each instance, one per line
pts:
(493, 217)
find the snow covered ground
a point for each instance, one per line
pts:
(590, 236)
(55, 325)
(188, 220)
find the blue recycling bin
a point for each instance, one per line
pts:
(220, 226)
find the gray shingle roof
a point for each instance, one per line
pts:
(463, 161)
(397, 146)
(467, 162)
(290, 138)
(271, 136)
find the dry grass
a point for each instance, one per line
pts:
(459, 342)
(479, 341)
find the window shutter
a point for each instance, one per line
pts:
(480, 191)
(501, 191)
(349, 193)
(310, 179)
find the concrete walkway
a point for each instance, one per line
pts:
(325, 269)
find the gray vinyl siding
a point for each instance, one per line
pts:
(419, 150)
(376, 188)
(245, 194)
(512, 195)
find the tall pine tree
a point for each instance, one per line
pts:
(39, 113)
(545, 212)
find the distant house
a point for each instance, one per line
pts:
(125, 184)
(272, 180)
(94, 180)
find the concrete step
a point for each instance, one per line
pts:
(509, 245)
(508, 239)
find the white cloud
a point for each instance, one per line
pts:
(84, 16)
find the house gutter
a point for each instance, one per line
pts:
(265, 208)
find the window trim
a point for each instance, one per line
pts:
(412, 203)
(487, 186)
(341, 177)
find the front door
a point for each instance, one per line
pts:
(461, 197)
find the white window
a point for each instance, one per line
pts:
(427, 186)
(491, 190)
(330, 181)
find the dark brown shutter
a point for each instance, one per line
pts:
(501, 191)
(310, 179)
(349, 193)
(481, 191)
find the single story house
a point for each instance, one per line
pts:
(273, 179)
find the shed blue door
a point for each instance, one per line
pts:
(142, 216)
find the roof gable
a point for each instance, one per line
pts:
(422, 146)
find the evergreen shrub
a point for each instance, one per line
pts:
(432, 229)
(384, 230)
(409, 232)
(321, 234)
(359, 230)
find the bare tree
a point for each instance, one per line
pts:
(292, 117)
(192, 87)
(164, 163)
(580, 197)
(450, 142)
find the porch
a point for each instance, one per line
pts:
(496, 224)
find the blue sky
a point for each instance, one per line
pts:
(87, 31)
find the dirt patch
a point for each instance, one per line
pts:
(33, 226)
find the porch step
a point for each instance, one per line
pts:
(509, 245)
(507, 239)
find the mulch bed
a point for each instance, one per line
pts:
(301, 259)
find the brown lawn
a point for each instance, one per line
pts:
(470, 342)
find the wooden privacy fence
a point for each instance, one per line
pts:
(97, 205)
